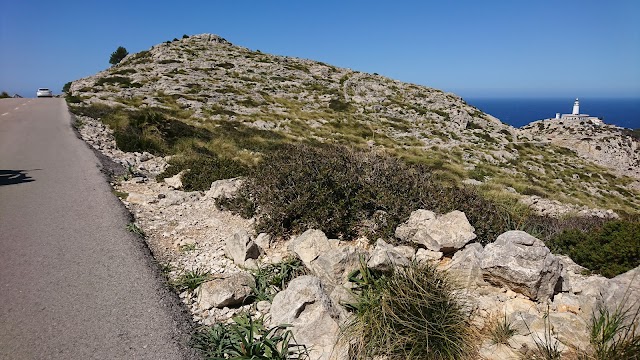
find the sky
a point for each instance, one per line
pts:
(478, 49)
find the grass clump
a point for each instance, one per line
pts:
(247, 338)
(413, 313)
(273, 278)
(190, 280)
(500, 330)
(614, 334)
(610, 250)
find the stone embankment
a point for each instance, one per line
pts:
(516, 276)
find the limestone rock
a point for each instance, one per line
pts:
(228, 291)
(224, 188)
(309, 245)
(240, 248)
(332, 267)
(306, 306)
(423, 255)
(175, 182)
(444, 233)
(384, 257)
(522, 263)
(465, 265)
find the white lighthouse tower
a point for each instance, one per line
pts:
(576, 107)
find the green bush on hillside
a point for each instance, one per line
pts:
(202, 170)
(609, 250)
(348, 193)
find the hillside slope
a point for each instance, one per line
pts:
(255, 101)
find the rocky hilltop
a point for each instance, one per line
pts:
(612, 147)
(216, 259)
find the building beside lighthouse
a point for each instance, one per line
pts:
(576, 116)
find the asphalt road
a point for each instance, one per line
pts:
(74, 283)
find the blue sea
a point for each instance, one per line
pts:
(520, 112)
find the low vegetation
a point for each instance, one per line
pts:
(610, 249)
(412, 313)
(273, 278)
(247, 338)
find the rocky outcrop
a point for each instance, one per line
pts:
(522, 263)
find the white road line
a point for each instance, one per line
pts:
(5, 114)
(17, 108)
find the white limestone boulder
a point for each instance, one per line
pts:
(228, 291)
(306, 306)
(241, 248)
(446, 233)
(522, 263)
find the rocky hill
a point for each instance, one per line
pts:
(227, 98)
(207, 82)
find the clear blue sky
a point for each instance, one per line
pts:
(542, 48)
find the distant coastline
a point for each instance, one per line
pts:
(519, 112)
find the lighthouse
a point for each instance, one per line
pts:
(576, 107)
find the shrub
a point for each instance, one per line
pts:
(118, 55)
(4, 95)
(413, 313)
(337, 105)
(348, 193)
(247, 338)
(611, 249)
(202, 170)
(66, 87)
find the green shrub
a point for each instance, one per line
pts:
(413, 313)
(337, 105)
(247, 338)
(609, 250)
(202, 170)
(348, 193)
(66, 87)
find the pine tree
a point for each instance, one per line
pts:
(118, 55)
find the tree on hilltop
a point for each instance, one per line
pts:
(118, 55)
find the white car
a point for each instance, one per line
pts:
(44, 92)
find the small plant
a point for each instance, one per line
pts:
(188, 247)
(413, 313)
(133, 228)
(547, 348)
(273, 278)
(615, 335)
(190, 280)
(247, 338)
(500, 330)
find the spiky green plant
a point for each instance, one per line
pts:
(615, 334)
(413, 313)
(247, 338)
(273, 278)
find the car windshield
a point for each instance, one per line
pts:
(43, 89)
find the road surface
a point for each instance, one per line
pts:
(74, 283)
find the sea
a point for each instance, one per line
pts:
(519, 112)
